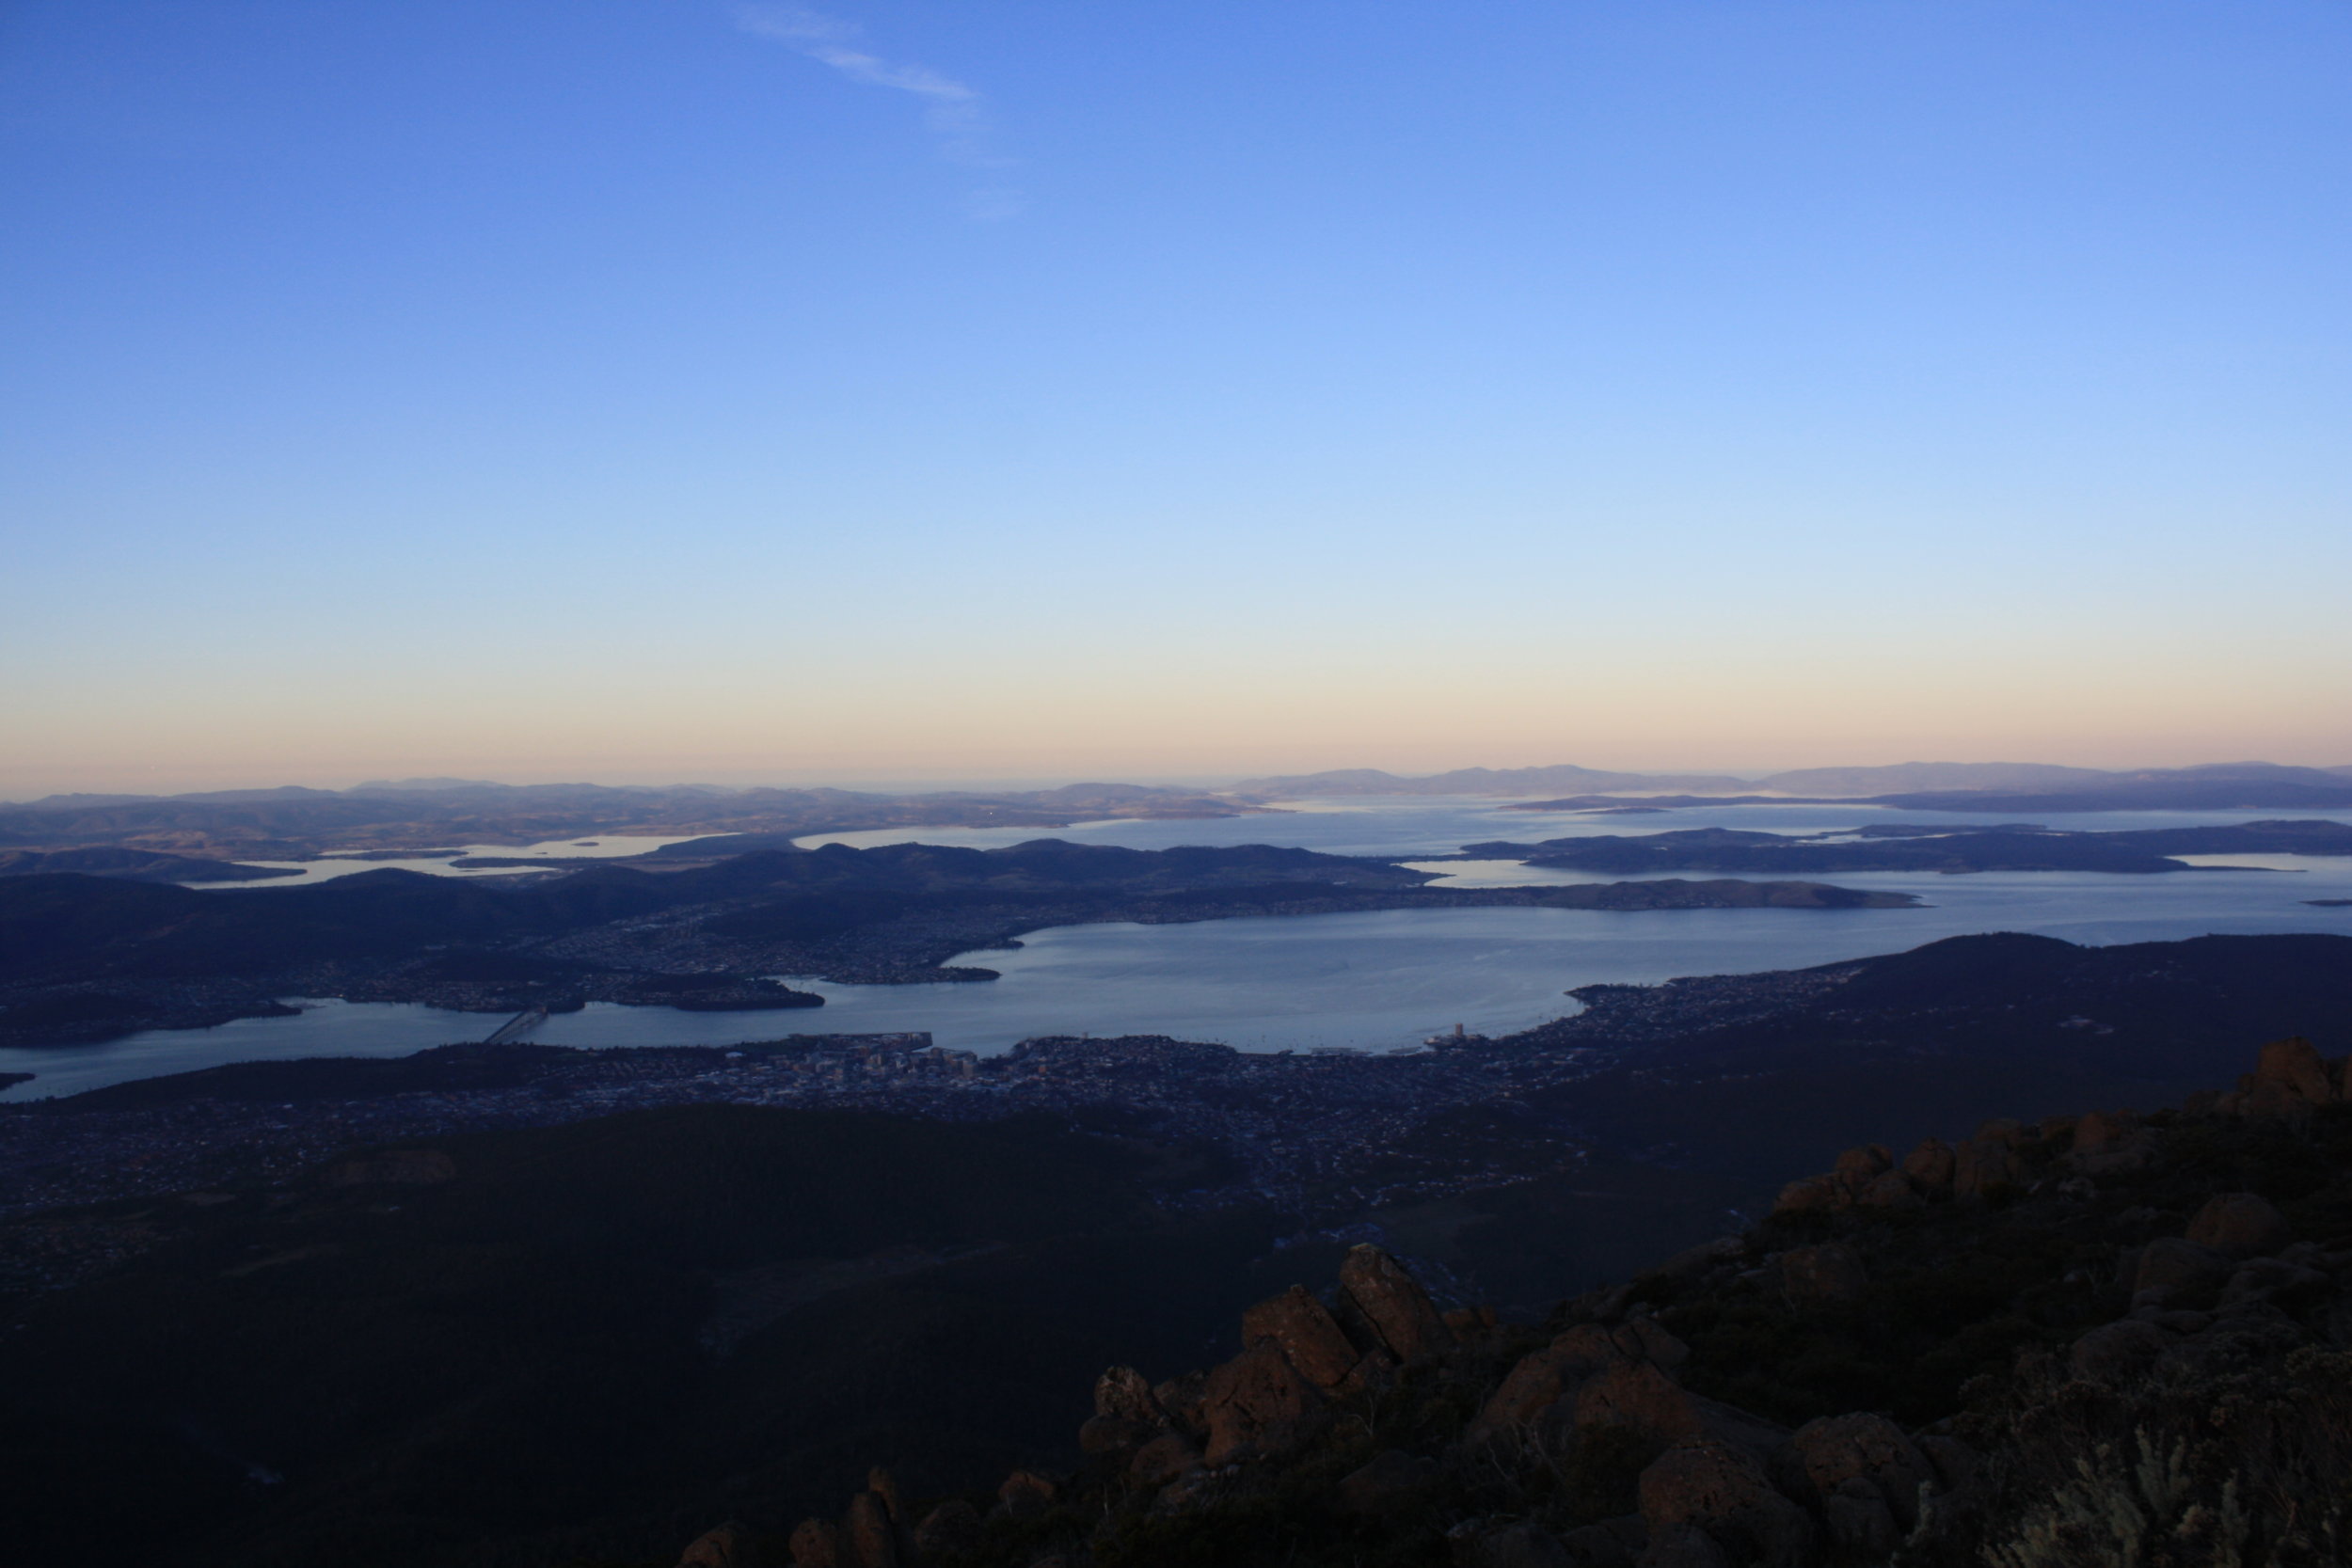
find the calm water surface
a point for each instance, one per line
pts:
(1372, 981)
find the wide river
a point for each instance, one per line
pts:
(1376, 981)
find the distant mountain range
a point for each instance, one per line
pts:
(1983, 785)
(293, 822)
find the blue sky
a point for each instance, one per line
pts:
(659, 389)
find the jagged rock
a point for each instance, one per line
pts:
(2295, 1063)
(1723, 1490)
(730, 1546)
(1471, 1323)
(2096, 1132)
(1863, 1165)
(1181, 1398)
(1956, 1464)
(2267, 1277)
(1393, 1304)
(1163, 1458)
(2173, 1265)
(1930, 1165)
(1890, 1190)
(2116, 1351)
(1392, 1481)
(1542, 1379)
(816, 1543)
(1813, 1275)
(1810, 1193)
(1306, 1332)
(1026, 1494)
(1980, 1165)
(1109, 1435)
(1605, 1303)
(1683, 1546)
(1646, 1338)
(2108, 1142)
(866, 1539)
(2007, 1131)
(1636, 1394)
(1839, 1450)
(885, 1485)
(948, 1531)
(1702, 1258)
(1122, 1393)
(2240, 1225)
(1259, 1405)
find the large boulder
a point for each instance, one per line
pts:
(1026, 1494)
(1122, 1392)
(1930, 1165)
(949, 1530)
(1983, 1164)
(1858, 1167)
(2099, 1129)
(2239, 1225)
(1108, 1436)
(867, 1540)
(2295, 1063)
(1258, 1404)
(2172, 1266)
(1890, 1190)
(1636, 1395)
(1723, 1490)
(1542, 1379)
(1645, 1338)
(1818, 1275)
(1306, 1332)
(2271, 1278)
(2116, 1351)
(1163, 1458)
(816, 1543)
(1387, 1299)
(1181, 1398)
(1810, 1193)
(1839, 1451)
(730, 1546)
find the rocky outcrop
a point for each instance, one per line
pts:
(1868, 1478)
(1829, 1273)
(1303, 1330)
(1723, 1492)
(2238, 1224)
(1367, 1410)
(1259, 1406)
(732, 1545)
(1388, 1301)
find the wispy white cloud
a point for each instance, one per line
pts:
(957, 114)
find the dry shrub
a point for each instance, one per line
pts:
(2180, 1469)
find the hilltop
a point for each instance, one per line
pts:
(2097, 1338)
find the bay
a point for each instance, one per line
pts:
(1378, 981)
